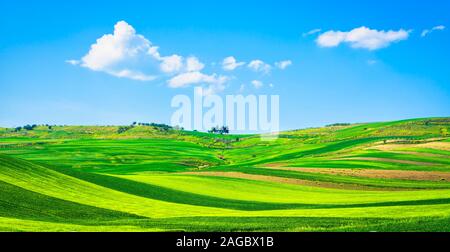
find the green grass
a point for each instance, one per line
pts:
(19, 203)
(426, 150)
(91, 178)
(369, 182)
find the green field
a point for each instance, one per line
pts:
(386, 176)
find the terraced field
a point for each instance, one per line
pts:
(389, 176)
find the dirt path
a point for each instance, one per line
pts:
(275, 165)
(292, 181)
(372, 173)
(391, 160)
(431, 145)
(436, 145)
(424, 154)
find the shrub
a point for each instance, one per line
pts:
(30, 127)
(123, 129)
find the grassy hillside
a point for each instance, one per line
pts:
(386, 176)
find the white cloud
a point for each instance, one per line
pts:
(271, 85)
(189, 78)
(428, 31)
(331, 38)
(283, 64)
(230, 63)
(126, 54)
(425, 33)
(153, 51)
(213, 82)
(171, 64)
(191, 75)
(193, 64)
(119, 53)
(134, 75)
(214, 88)
(257, 84)
(259, 66)
(311, 32)
(73, 62)
(362, 37)
(177, 64)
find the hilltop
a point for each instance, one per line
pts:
(410, 127)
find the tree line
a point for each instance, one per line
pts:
(159, 126)
(219, 130)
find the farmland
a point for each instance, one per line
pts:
(384, 176)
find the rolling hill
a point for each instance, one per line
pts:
(385, 176)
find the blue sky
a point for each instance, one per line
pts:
(361, 62)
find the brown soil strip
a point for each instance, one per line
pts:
(436, 145)
(424, 154)
(431, 145)
(275, 165)
(292, 181)
(372, 173)
(391, 147)
(390, 160)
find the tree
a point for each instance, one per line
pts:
(30, 127)
(219, 130)
(123, 129)
(224, 130)
(213, 130)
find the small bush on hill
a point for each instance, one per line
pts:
(219, 130)
(337, 124)
(123, 129)
(160, 126)
(30, 127)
